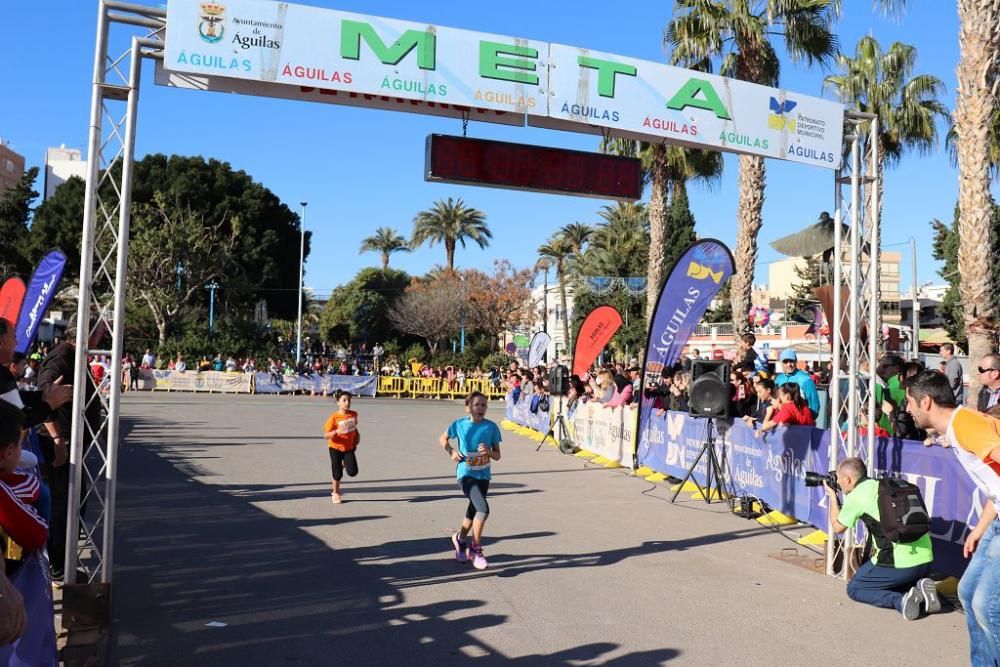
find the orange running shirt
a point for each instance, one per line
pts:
(974, 436)
(346, 427)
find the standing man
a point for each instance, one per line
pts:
(789, 372)
(60, 363)
(975, 441)
(747, 356)
(953, 371)
(989, 375)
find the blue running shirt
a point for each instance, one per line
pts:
(469, 434)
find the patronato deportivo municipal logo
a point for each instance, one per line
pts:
(777, 119)
(211, 25)
(704, 272)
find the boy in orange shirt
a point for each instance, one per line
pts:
(342, 438)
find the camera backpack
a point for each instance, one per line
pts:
(902, 513)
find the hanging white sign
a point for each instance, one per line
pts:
(296, 45)
(655, 102)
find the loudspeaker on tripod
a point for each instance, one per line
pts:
(559, 380)
(710, 392)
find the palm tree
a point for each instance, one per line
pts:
(738, 32)
(558, 251)
(668, 168)
(907, 106)
(386, 241)
(449, 223)
(975, 106)
(577, 234)
(622, 236)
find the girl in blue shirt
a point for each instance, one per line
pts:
(478, 445)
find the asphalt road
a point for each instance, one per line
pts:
(224, 517)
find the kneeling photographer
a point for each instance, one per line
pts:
(896, 576)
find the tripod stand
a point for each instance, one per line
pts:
(561, 423)
(714, 469)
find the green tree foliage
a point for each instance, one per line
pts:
(807, 277)
(945, 250)
(680, 230)
(58, 224)
(358, 311)
(265, 249)
(449, 223)
(15, 210)
(166, 234)
(723, 311)
(385, 241)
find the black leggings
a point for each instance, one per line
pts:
(475, 490)
(341, 461)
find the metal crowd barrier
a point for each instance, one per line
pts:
(437, 388)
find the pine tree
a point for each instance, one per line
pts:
(945, 249)
(680, 232)
(808, 278)
(15, 210)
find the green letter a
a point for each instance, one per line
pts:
(687, 97)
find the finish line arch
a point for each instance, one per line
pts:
(576, 85)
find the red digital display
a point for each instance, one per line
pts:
(536, 168)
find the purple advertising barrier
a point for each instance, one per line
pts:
(772, 469)
(41, 290)
(693, 282)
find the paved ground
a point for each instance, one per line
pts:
(224, 515)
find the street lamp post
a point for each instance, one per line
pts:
(302, 270)
(211, 287)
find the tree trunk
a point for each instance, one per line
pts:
(974, 104)
(385, 261)
(562, 297)
(449, 248)
(657, 214)
(748, 213)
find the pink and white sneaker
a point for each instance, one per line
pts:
(460, 549)
(478, 559)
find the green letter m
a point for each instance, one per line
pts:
(351, 33)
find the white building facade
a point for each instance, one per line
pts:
(61, 164)
(548, 316)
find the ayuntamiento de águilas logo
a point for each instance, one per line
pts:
(211, 25)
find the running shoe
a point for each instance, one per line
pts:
(478, 559)
(460, 549)
(910, 607)
(932, 603)
(336, 498)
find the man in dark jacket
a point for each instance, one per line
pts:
(60, 362)
(37, 406)
(989, 375)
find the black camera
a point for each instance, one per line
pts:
(656, 391)
(818, 478)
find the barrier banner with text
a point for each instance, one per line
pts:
(607, 432)
(265, 383)
(772, 468)
(208, 381)
(520, 413)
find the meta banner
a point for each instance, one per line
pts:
(653, 102)
(539, 343)
(41, 290)
(340, 57)
(296, 45)
(596, 331)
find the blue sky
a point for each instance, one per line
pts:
(360, 169)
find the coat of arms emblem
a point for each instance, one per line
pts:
(211, 25)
